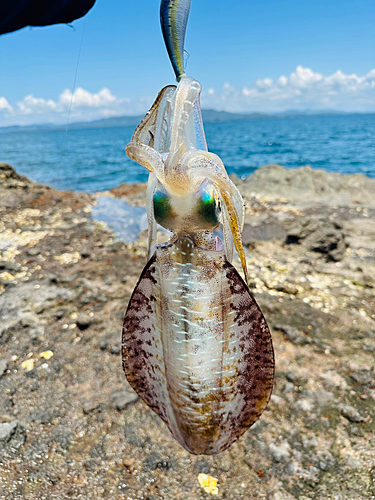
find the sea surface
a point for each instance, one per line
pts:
(93, 160)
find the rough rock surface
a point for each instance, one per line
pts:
(307, 185)
(73, 428)
(319, 235)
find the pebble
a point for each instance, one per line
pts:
(155, 461)
(103, 345)
(302, 405)
(280, 453)
(3, 367)
(351, 413)
(90, 406)
(202, 466)
(98, 450)
(63, 437)
(288, 288)
(289, 387)
(295, 336)
(85, 254)
(131, 436)
(41, 416)
(363, 377)
(290, 377)
(83, 321)
(310, 442)
(116, 349)
(59, 314)
(32, 252)
(7, 430)
(122, 399)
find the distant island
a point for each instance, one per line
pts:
(209, 116)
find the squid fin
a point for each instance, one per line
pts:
(235, 401)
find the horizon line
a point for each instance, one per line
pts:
(260, 114)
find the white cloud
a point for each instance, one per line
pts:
(302, 89)
(4, 105)
(85, 106)
(82, 97)
(31, 105)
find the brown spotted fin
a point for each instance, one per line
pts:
(196, 347)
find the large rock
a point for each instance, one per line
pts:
(318, 235)
(266, 231)
(310, 185)
(10, 179)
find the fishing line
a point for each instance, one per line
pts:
(74, 86)
(186, 58)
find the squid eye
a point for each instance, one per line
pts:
(209, 207)
(162, 206)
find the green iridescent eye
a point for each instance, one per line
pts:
(162, 206)
(208, 207)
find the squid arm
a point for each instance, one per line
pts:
(147, 157)
(200, 136)
(150, 130)
(185, 98)
(200, 165)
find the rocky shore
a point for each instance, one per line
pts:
(70, 425)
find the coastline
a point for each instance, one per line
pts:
(72, 423)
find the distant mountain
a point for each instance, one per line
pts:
(213, 116)
(114, 121)
(209, 116)
(311, 112)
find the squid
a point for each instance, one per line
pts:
(195, 345)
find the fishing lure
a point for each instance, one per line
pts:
(196, 346)
(174, 15)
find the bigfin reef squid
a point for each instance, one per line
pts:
(196, 347)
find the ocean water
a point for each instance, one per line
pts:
(125, 220)
(94, 160)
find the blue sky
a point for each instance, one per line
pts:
(265, 55)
